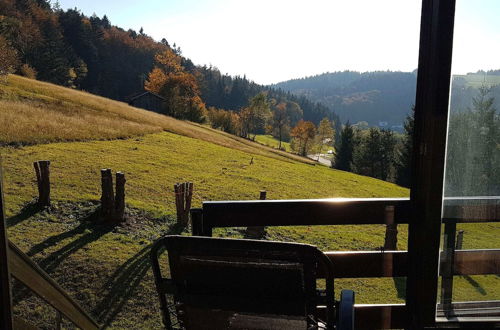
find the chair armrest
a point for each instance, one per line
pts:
(346, 310)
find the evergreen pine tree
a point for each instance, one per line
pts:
(473, 156)
(404, 159)
(344, 155)
(387, 148)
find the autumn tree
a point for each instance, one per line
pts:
(294, 112)
(8, 58)
(326, 134)
(224, 120)
(179, 87)
(255, 116)
(280, 121)
(303, 136)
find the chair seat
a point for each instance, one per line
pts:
(216, 319)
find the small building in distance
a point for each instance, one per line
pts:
(149, 101)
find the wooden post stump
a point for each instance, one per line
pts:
(183, 198)
(107, 196)
(120, 197)
(112, 205)
(42, 171)
(257, 231)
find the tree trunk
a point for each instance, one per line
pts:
(391, 230)
(257, 231)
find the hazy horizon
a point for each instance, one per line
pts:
(273, 41)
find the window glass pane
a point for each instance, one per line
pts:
(469, 280)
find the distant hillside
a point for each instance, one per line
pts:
(382, 98)
(465, 87)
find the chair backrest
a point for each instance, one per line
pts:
(243, 276)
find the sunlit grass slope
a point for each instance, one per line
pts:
(270, 141)
(34, 112)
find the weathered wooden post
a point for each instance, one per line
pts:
(112, 204)
(460, 240)
(120, 196)
(107, 197)
(391, 230)
(257, 231)
(263, 194)
(42, 171)
(183, 198)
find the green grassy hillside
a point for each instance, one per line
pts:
(107, 268)
(34, 112)
(269, 140)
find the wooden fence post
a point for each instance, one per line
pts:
(460, 240)
(263, 195)
(391, 230)
(107, 197)
(42, 171)
(183, 198)
(257, 231)
(120, 197)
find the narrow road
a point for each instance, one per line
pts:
(322, 159)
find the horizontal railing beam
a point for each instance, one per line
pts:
(477, 262)
(367, 264)
(335, 211)
(371, 316)
(32, 276)
(340, 211)
(471, 209)
(470, 309)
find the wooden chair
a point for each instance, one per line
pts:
(218, 283)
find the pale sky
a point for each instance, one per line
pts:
(274, 40)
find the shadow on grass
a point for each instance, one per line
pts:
(90, 230)
(27, 211)
(400, 284)
(475, 284)
(119, 287)
(123, 282)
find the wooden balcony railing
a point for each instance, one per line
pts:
(358, 212)
(33, 277)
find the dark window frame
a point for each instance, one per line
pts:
(426, 196)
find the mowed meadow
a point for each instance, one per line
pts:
(107, 268)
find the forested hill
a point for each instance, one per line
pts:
(89, 53)
(226, 92)
(375, 97)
